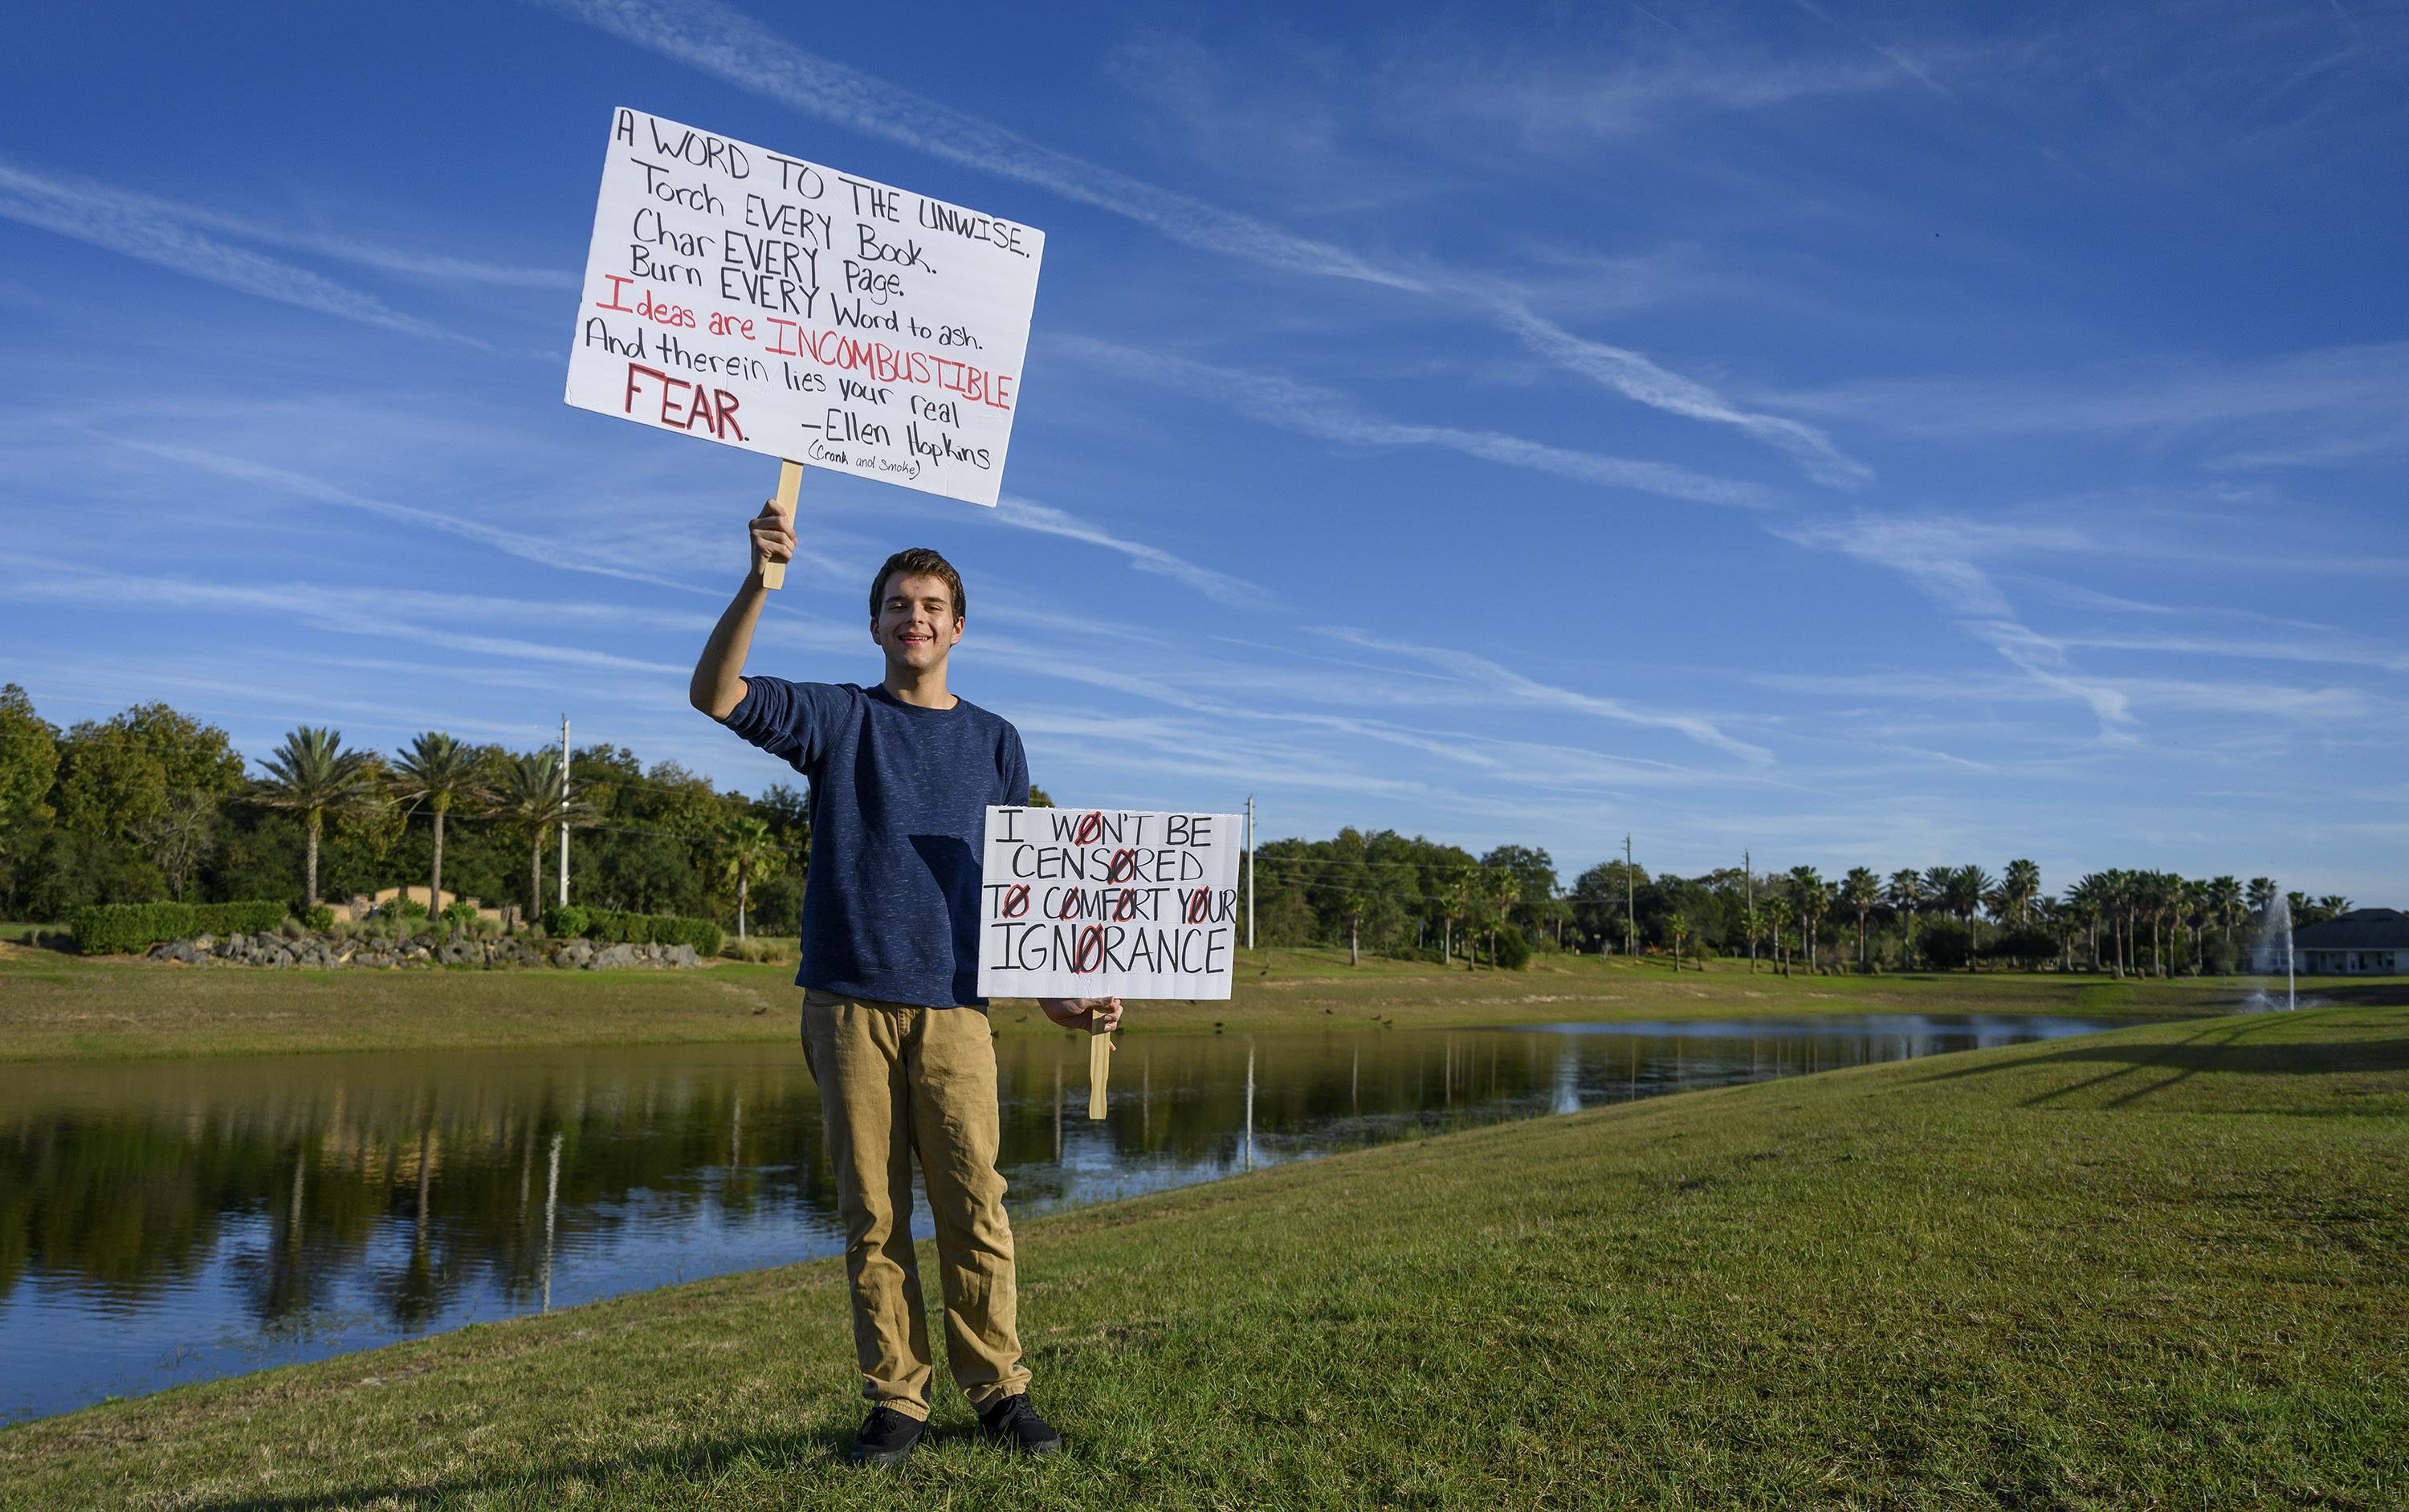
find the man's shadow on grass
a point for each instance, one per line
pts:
(2223, 1046)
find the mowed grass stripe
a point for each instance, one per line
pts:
(2163, 1266)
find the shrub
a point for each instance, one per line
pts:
(568, 922)
(116, 928)
(612, 927)
(406, 907)
(2023, 946)
(319, 917)
(1513, 950)
(459, 913)
(254, 918)
(702, 935)
(1945, 944)
(759, 950)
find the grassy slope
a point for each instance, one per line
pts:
(2157, 1267)
(61, 1007)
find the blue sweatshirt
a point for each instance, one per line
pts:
(899, 830)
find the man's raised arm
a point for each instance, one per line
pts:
(718, 684)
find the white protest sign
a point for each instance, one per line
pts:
(1108, 902)
(767, 302)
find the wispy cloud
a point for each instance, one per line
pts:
(1895, 57)
(1636, 377)
(734, 47)
(1940, 556)
(1632, 81)
(710, 37)
(1482, 670)
(2324, 650)
(406, 261)
(1333, 416)
(2309, 406)
(553, 551)
(351, 611)
(1028, 514)
(137, 228)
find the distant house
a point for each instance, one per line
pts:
(2365, 940)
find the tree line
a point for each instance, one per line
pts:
(1401, 896)
(153, 804)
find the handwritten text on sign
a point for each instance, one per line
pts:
(1093, 903)
(763, 301)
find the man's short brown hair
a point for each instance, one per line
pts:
(919, 562)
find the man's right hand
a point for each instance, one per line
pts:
(773, 537)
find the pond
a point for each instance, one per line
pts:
(171, 1222)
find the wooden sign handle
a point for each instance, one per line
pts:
(1099, 1068)
(790, 483)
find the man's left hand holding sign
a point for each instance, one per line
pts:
(1097, 1016)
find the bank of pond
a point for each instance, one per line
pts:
(168, 1222)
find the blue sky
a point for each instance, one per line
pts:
(1860, 435)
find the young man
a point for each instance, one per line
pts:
(894, 1030)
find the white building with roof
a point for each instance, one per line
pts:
(2363, 942)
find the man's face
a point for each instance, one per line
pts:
(915, 624)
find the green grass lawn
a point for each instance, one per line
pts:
(55, 1006)
(2159, 1267)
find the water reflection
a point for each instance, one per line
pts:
(171, 1222)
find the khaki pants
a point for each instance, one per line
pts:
(895, 1079)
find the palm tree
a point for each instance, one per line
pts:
(1505, 891)
(2224, 899)
(2155, 894)
(753, 855)
(2059, 923)
(438, 772)
(1807, 896)
(2261, 895)
(1752, 923)
(2191, 902)
(2333, 905)
(1863, 890)
(532, 794)
(2088, 897)
(2125, 892)
(312, 774)
(2018, 887)
(1906, 895)
(1676, 929)
(1962, 894)
(1777, 913)
(1456, 889)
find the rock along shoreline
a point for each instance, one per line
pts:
(320, 951)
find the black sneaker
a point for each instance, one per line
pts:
(887, 1436)
(1016, 1424)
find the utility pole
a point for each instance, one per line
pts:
(564, 811)
(1630, 905)
(1250, 871)
(1747, 873)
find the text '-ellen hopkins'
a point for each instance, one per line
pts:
(1108, 892)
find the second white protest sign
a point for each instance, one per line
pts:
(1108, 903)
